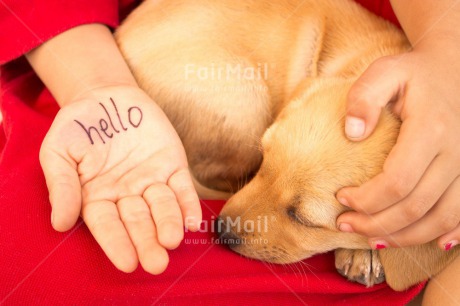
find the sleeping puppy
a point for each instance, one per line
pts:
(256, 91)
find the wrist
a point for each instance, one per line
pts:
(80, 60)
(99, 88)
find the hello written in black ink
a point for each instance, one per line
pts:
(113, 124)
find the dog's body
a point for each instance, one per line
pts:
(223, 70)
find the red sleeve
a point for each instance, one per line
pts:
(26, 24)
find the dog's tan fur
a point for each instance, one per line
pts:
(309, 53)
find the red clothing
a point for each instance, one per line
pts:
(40, 266)
(27, 24)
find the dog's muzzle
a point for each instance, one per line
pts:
(226, 235)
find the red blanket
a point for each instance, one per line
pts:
(39, 266)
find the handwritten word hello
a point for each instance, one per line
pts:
(134, 115)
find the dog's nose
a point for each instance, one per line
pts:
(225, 234)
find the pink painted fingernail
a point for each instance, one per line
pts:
(450, 245)
(345, 227)
(343, 201)
(380, 244)
(354, 127)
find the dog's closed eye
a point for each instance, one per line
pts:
(298, 218)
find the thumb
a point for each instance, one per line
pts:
(379, 85)
(64, 189)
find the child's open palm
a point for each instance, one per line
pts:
(113, 157)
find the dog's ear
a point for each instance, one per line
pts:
(308, 86)
(306, 49)
(312, 34)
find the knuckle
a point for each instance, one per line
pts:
(144, 241)
(185, 189)
(135, 217)
(416, 209)
(163, 199)
(188, 198)
(159, 195)
(101, 224)
(155, 188)
(93, 191)
(60, 184)
(181, 175)
(168, 220)
(357, 97)
(448, 222)
(399, 186)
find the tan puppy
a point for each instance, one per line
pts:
(223, 70)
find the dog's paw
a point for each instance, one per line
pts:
(362, 266)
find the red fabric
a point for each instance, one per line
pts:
(27, 24)
(39, 266)
(381, 8)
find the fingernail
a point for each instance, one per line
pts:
(343, 201)
(450, 245)
(379, 244)
(354, 127)
(345, 227)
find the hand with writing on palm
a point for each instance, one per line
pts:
(113, 157)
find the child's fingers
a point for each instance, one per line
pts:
(166, 214)
(379, 85)
(182, 185)
(449, 219)
(104, 222)
(411, 210)
(64, 189)
(400, 174)
(137, 219)
(450, 240)
(442, 218)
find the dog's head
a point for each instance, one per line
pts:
(288, 211)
